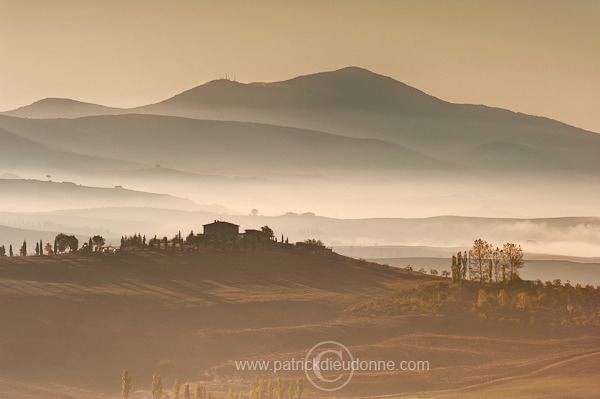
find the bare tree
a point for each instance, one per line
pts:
(480, 255)
(496, 260)
(513, 258)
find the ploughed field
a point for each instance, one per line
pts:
(70, 324)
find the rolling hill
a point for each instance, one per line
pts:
(36, 195)
(72, 323)
(22, 154)
(61, 108)
(220, 146)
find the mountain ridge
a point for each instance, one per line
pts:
(356, 103)
(338, 74)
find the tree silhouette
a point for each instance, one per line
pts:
(480, 254)
(176, 388)
(513, 257)
(126, 385)
(267, 231)
(99, 242)
(157, 387)
(199, 391)
(299, 388)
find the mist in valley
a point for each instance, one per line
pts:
(158, 224)
(372, 158)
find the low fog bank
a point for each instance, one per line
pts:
(552, 216)
(406, 195)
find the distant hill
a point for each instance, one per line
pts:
(9, 176)
(220, 146)
(61, 108)
(355, 102)
(35, 195)
(20, 153)
(358, 103)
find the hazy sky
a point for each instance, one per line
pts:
(538, 57)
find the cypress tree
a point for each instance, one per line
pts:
(157, 388)
(177, 385)
(55, 246)
(454, 269)
(37, 248)
(41, 248)
(10, 251)
(199, 391)
(459, 266)
(126, 385)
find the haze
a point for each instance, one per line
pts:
(536, 57)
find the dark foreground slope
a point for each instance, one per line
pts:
(71, 324)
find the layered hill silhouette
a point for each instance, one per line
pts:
(37, 195)
(354, 102)
(215, 146)
(18, 152)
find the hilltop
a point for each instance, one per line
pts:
(61, 108)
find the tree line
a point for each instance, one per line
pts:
(63, 243)
(277, 389)
(486, 264)
(517, 301)
(259, 240)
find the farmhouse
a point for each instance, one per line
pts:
(222, 230)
